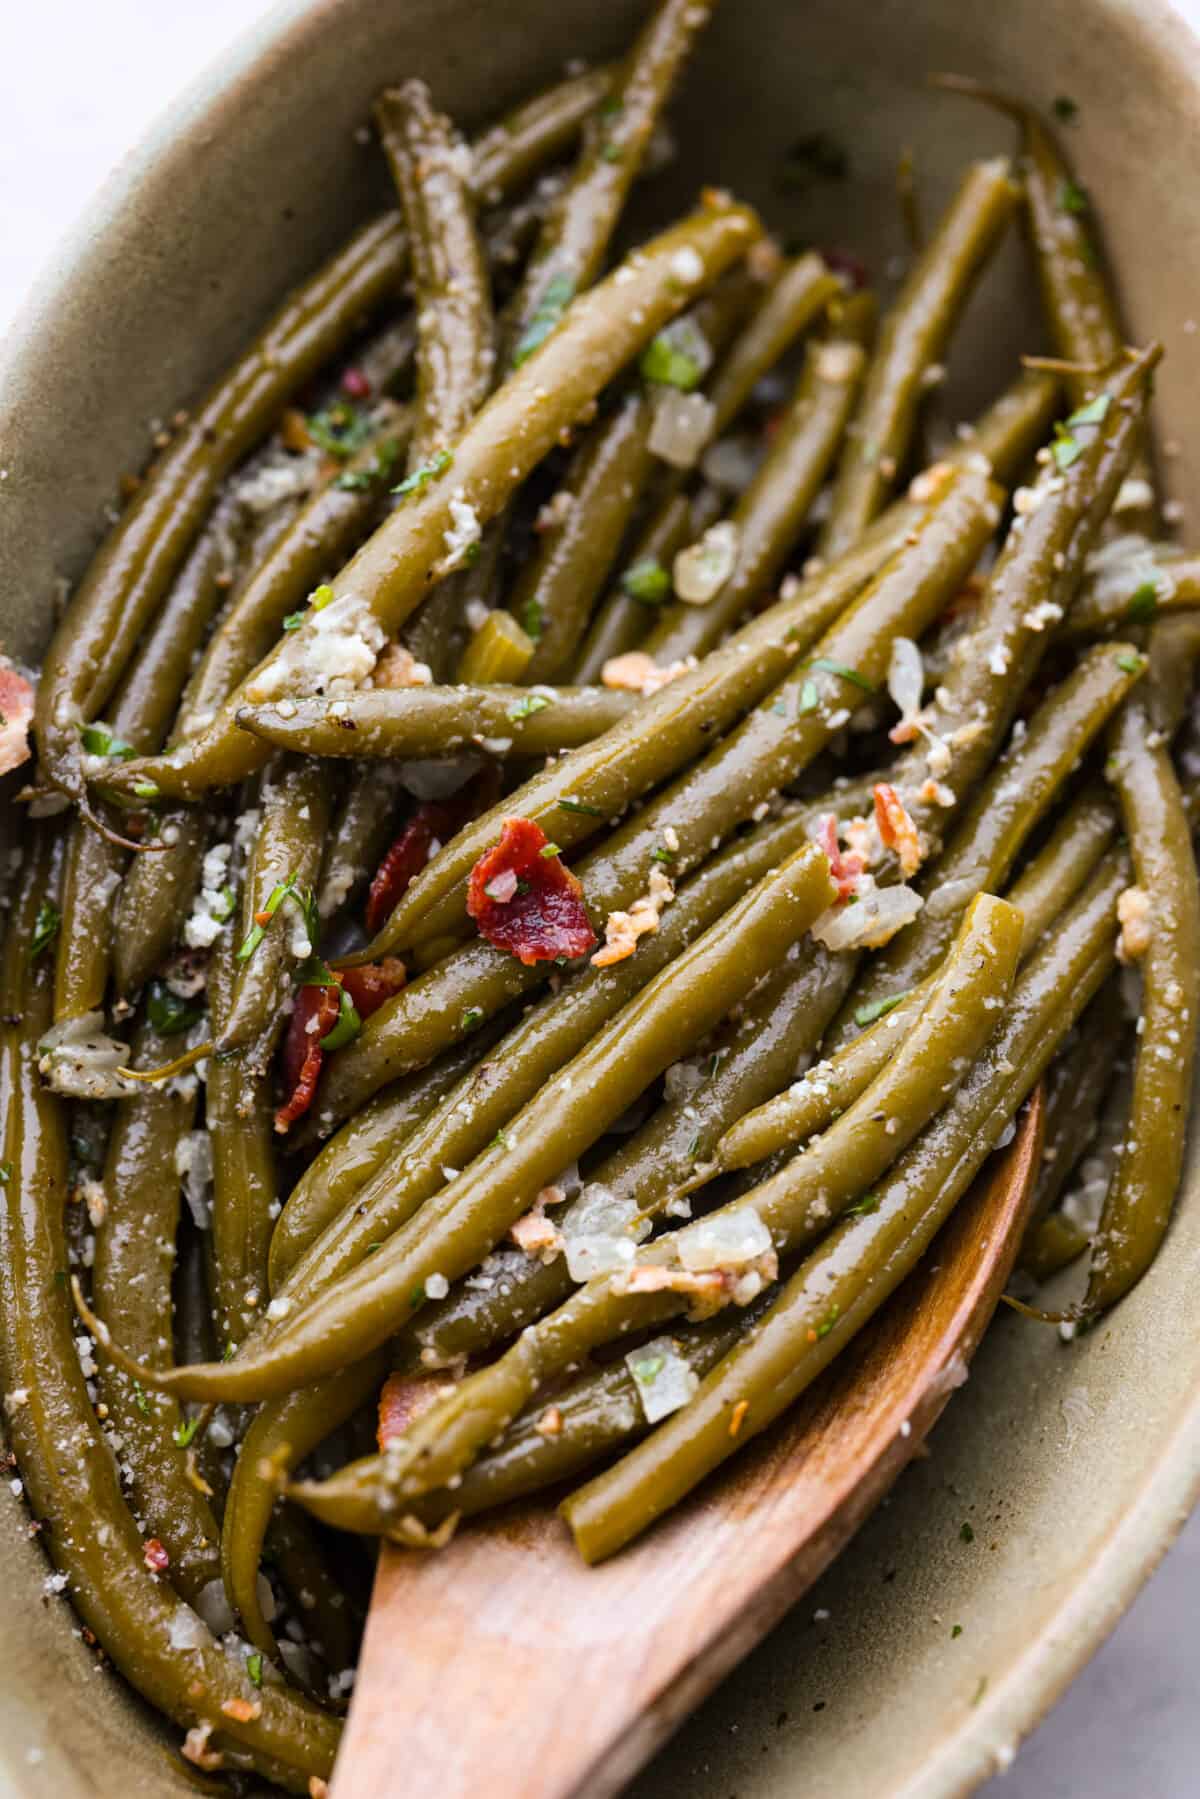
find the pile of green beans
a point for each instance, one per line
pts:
(375, 1205)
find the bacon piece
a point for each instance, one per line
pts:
(374, 982)
(545, 916)
(403, 1398)
(845, 866)
(434, 822)
(313, 1016)
(398, 667)
(897, 828)
(16, 713)
(155, 1556)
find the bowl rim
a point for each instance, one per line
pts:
(966, 1754)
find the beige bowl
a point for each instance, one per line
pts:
(1074, 1465)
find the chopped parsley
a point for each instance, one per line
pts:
(879, 1008)
(677, 356)
(1066, 447)
(549, 849)
(864, 1207)
(45, 929)
(100, 740)
(955, 1631)
(184, 1433)
(662, 855)
(254, 1667)
(502, 1140)
(346, 1026)
(1131, 664)
(828, 666)
(1065, 109)
(140, 1400)
(531, 619)
(1072, 198)
(429, 471)
(966, 1534)
(645, 1370)
(304, 898)
(339, 430)
(582, 808)
(546, 317)
(167, 1012)
(362, 480)
(827, 1323)
(417, 1296)
(525, 708)
(810, 699)
(318, 599)
(5, 1173)
(1144, 603)
(646, 580)
(146, 790)
(472, 1018)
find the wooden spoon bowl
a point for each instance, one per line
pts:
(503, 1666)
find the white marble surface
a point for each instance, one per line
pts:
(1129, 1727)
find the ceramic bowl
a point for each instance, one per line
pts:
(1075, 1465)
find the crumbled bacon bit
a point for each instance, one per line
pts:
(293, 431)
(536, 1234)
(317, 1788)
(553, 515)
(845, 866)
(434, 822)
(244, 1710)
(550, 1423)
(897, 828)
(155, 1556)
(16, 714)
(403, 1399)
(852, 268)
(372, 983)
(635, 672)
(354, 382)
(622, 930)
(1133, 913)
(313, 1016)
(398, 667)
(935, 793)
(545, 917)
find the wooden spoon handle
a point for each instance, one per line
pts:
(503, 1666)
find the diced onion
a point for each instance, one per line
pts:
(77, 1058)
(726, 1240)
(878, 914)
(663, 1379)
(702, 570)
(598, 1232)
(906, 676)
(681, 427)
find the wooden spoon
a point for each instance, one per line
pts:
(503, 1666)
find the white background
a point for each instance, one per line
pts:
(78, 85)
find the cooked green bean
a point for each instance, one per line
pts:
(779, 1217)
(239, 1117)
(570, 252)
(135, 1222)
(1012, 801)
(771, 746)
(451, 290)
(554, 594)
(1162, 928)
(275, 933)
(66, 1466)
(1062, 1236)
(474, 1210)
(383, 583)
(364, 1145)
(913, 337)
(130, 574)
(501, 650)
(1143, 584)
(436, 721)
(768, 518)
(363, 825)
(622, 619)
(1079, 1081)
(1045, 889)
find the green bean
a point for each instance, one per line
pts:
(435, 721)
(153, 901)
(485, 1100)
(570, 252)
(280, 1437)
(781, 1021)
(555, 591)
(451, 289)
(135, 1253)
(1139, 1201)
(798, 294)
(286, 851)
(769, 516)
(1081, 1077)
(362, 1147)
(473, 1211)
(1009, 805)
(768, 749)
(1044, 890)
(67, 1468)
(590, 1417)
(778, 1217)
(239, 1117)
(130, 574)
(501, 650)
(362, 826)
(382, 584)
(913, 337)
(1142, 586)
(860, 1263)
(1062, 1236)
(318, 1598)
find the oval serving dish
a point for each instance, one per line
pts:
(1073, 1464)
